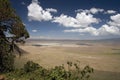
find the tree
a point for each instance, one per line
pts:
(12, 30)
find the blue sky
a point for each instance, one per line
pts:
(70, 19)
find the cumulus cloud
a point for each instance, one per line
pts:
(66, 21)
(37, 13)
(85, 19)
(115, 20)
(102, 31)
(51, 10)
(82, 19)
(111, 27)
(81, 23)
(90, 30)
(34, 30)
(96, 10)
(82, 10)
(110, 12)
(92, 10)
(107, 29)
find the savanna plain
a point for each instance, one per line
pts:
(102, 55)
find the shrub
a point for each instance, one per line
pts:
(30, 66)
(58, 73)
(33, 71)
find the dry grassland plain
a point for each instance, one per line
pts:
(104, 57)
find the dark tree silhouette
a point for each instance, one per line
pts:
(12, 30)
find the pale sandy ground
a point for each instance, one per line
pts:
(100, 57)
(104, 58)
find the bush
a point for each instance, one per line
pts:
(58, 73)
(33, 71)
(30, 66)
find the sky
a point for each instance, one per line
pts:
(70, 19)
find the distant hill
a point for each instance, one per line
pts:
(110, 39)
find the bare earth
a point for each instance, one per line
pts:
(104, 58)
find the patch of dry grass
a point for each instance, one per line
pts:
(100, 57)
(104, 58)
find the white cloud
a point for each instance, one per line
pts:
(115, 20)
(90, 30)
(66, 21)
(34, 30)
(92, 10)
(82, 19)
(51, 10)
(37, 13)
(85, 19)
(81, 23)
(82, 10)
(96, 10)
(110, 12)
(109, 30)
(102, 31)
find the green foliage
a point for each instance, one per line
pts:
(6, 58)
(11, 24)
(30, 66)
(77, 73)
(58, 73)
(7, 63)
(33, 71)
